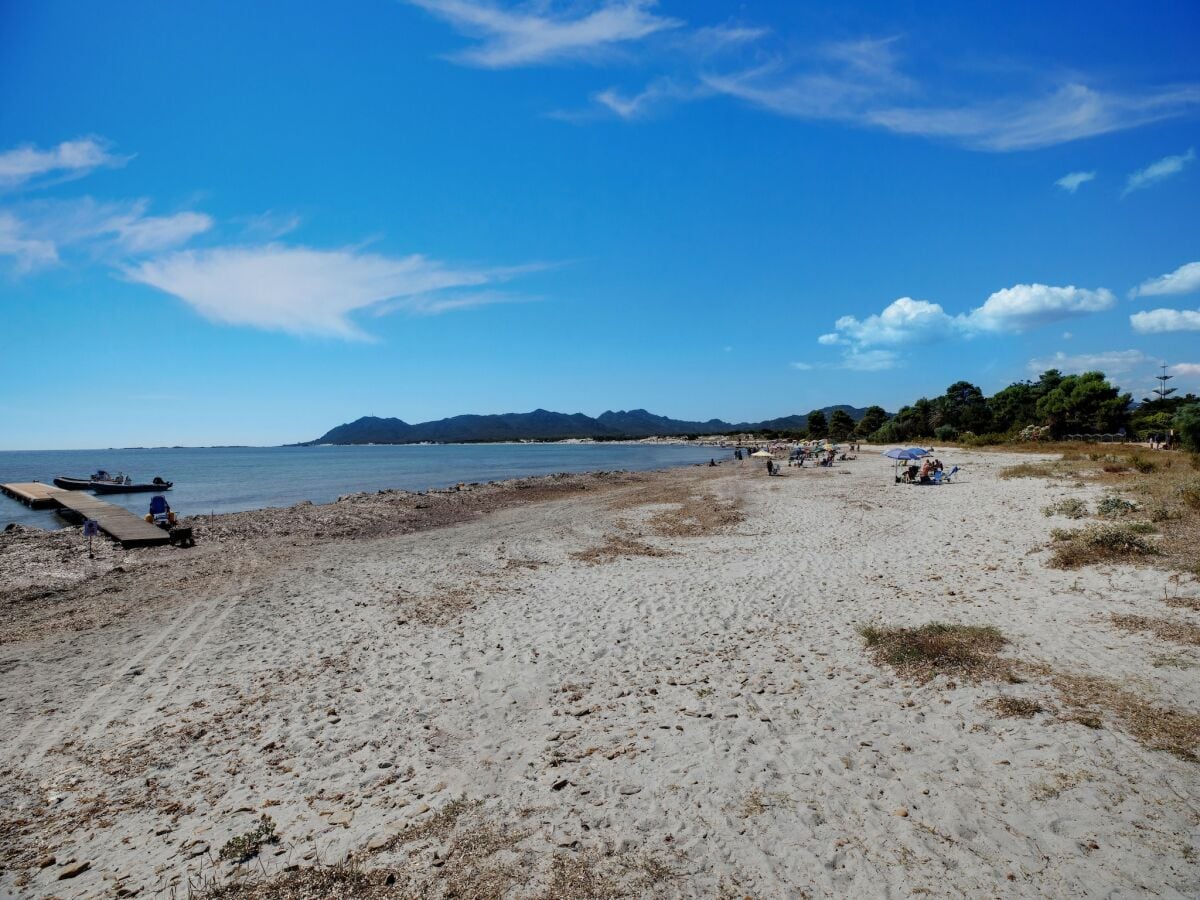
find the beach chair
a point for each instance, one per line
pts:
(950, 474)
(159, 511)
(939, 476)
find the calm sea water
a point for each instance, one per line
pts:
(228, 479)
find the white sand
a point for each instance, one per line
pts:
(754, 744)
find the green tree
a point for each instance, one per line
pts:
(817, 426)
(1187, 426)
(873, 418)
(915, 421)
(965, 408)
(1084, 403)
(840, 425)
(1015, 406)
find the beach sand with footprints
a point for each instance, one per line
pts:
(606, 686)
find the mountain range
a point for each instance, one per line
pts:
(544, 425)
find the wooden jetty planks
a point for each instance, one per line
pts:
(115, 521)
(32, 493)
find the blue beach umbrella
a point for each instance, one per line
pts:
(902, 455)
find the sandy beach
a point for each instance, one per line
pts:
(609, 685)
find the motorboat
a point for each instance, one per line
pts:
(104, 483)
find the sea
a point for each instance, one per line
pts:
(230, 479)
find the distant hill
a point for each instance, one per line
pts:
(544, 425)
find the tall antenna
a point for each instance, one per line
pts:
(1162, 392)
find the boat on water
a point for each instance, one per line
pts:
(103, 483)
(131, 487)
(73, 484)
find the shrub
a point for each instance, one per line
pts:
(1189, 493)
(1111, 507)
(1071, 507)
(1104, 543)
(1187, 426)
(945, 432)
(1143, 465)
(246, 846)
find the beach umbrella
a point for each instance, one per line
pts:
(910, 453)
(761, 453)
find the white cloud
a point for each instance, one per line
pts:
(39, 234)
(870, 360)
(138, 234)
(1072, 180)
(1157, 171)
(1113, 362)
(711, 40)
(1160, 321)
(70, 159)
(1184, 280)
(908, 322)
(535, 33)
(304, 291)
(29, 253)
(860, 83)
(1069, 113)
(637, 106)
(903, 321)
(1025, 306)
(1186, 369)
(270, 225)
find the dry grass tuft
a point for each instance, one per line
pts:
(1030, 470)
(1015, 707)
(692, 512)
(967, 651)
(1160, 728)
(442, 608)
(1166, 488)
(438, 825)
(1099, 544)
(597, 874)
(1192, 603)
(1071, 507)
(618, 546)
(1163, 629)
(335, 882)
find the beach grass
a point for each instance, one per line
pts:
(966, 651)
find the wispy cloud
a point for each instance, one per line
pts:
(1112, 362)
(1186, 369)
(655, 94)
(869, 90)
(270, 225)
(1071, 181)
(1162, 321)
(37, 234)
(1184, 280)
(870, 360)
(70, 159)
(27, 252)
(1158, 171)
(538, 33)
(306, 291)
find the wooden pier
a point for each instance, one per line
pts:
(115, 521)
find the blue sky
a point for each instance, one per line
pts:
(246, 223)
